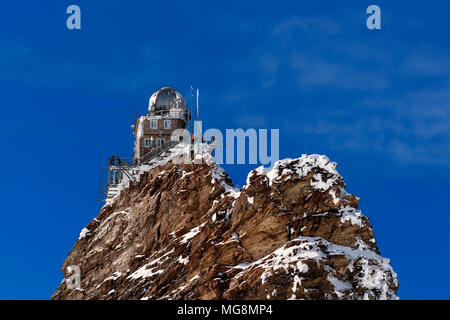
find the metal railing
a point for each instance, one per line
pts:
(155, 152)
(171, 113)
(126, 164)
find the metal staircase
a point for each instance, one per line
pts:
(109, 187)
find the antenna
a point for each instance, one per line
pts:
(198, 119)
(198, 115)
(191, 119)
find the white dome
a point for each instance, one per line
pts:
(165, 99)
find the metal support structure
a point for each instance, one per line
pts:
(116, 173)
(191, 119)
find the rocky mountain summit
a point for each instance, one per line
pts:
(182, 231)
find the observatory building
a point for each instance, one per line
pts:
(167, 112)
(153, 130)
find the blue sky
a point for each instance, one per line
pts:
(376, 102)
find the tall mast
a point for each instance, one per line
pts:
(198, 121)
(191, 119)
(198, 116)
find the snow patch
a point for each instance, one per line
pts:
(339, 286)
(301, 167)
(182, 260)
(148, 270)
(84, 232)
(374, 278)
(333, 195)
(114, 276)
(192, 233)
(351, 214)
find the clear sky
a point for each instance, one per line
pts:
(375, 101)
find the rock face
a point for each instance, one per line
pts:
(183, 232)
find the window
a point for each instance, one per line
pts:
(167, 124)
(153, 124)
(159, 142)
(148, 143)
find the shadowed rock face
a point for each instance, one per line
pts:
(183, 232)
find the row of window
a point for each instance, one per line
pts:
(154, 124)
(149, 142)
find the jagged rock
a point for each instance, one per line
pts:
(181, 231)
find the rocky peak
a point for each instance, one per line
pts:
(182, 231)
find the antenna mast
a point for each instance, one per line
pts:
(200, 140)
(191, 119)
(198, 116)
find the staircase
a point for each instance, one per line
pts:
(146, 158)
(112, 189)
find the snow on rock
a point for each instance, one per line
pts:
(84, 232)
(184, 232)
(351, 214)
(183, 260)
(300, 167)
(219, 175)
(114, 276)
(375, 278)
(192, 233)
(326, 180)
(339, 286)
(150, 269)
(179, 152)
(333, 195)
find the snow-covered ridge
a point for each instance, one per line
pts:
(292, 257)
(249, 234)
(301, 167)
(281, 170)
(323, 181)
(203, 154)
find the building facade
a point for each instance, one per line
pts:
(167, 112)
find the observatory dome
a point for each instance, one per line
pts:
(165, 99)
